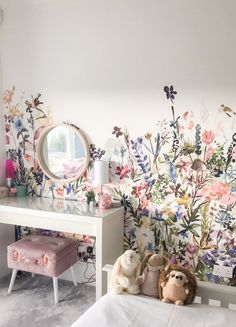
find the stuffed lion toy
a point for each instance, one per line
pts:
(177, 285)
(125, 273)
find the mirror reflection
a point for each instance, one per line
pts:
(63, 152)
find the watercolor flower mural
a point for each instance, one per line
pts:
(177, 183)
(181, 190)
(21, 138)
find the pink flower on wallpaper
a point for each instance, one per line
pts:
(8, 141)
(205, 191)
(191, 248)
(183, 165)
(186, 115)
(173, 260)
(144, 202)
(220, 188)
(215, 190)
(208, 137)
(8, 96)
(38, 132)
(60, 191)
(136, 191)
(228, 200)
(191, 125)
(88, 187)
(210, 152)
(122, 171)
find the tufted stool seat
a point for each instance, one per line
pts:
(43, 255)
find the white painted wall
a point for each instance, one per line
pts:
(104, 63)
(7, 233)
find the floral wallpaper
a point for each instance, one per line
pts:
(177, 184)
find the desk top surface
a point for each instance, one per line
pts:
(53, 205)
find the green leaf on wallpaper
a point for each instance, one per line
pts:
(198, 141)
(129, 242)
(188, 148)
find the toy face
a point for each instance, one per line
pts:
(177, 278)
(130, 256)
(156, 260)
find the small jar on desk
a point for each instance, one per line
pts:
(105, 201)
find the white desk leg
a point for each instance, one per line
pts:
(109, 246)
(99, 261)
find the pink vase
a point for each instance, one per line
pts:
(105, 201)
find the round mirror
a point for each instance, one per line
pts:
(63, 152)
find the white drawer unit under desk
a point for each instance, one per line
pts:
(68, 216)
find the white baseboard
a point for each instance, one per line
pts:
(83, 271)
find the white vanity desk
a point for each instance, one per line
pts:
(68, 216)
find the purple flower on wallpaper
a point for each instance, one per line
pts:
(52, 186)
(227, 264)
(143, 162)
(170, 92)
(184, 234)
(69, 188)
(232, 251)
(131, 232)
(179, 212)
(151, 247)
(215, 253)
(223, 257)
(173, 260)
(145, 212)
(210, 276)
(117, 131)
(233, 261)
(208, 259)
(158, 215)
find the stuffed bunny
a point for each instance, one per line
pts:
(151, 267)
(125, 273)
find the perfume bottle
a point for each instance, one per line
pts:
(10, 172)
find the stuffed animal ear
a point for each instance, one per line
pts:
(144, 262)
(116, 267)
(165, 261)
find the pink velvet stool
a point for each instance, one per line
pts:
(43, 255)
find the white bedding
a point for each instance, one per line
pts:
(128, 310)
